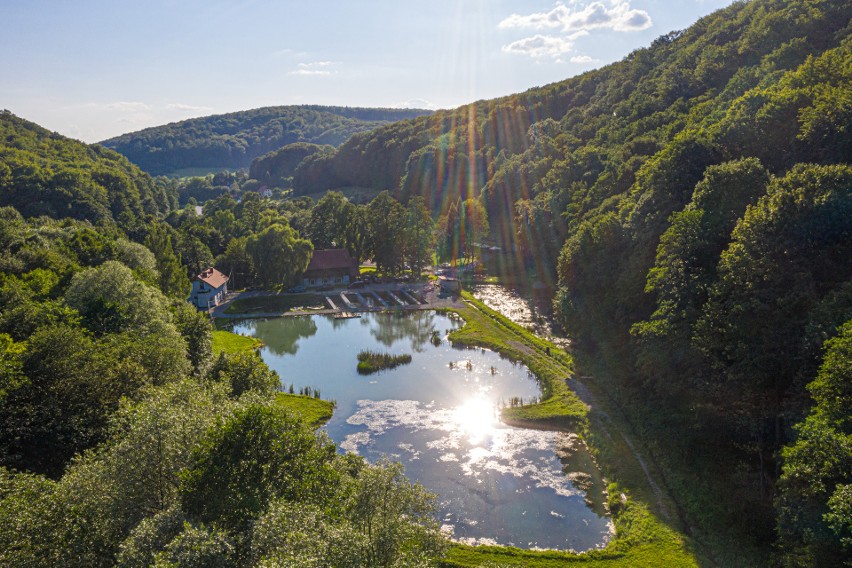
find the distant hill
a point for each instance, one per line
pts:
(45, 173)
(233, 140)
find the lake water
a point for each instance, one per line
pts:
(438, 415)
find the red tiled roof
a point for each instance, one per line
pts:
(329, 259)
(212, 277)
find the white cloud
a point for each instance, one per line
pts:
(416, 103)
(315, 68)
(188, 108)
(614, 15)
(128, 106)
(582, 59)
(540, 46)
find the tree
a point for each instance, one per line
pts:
(387, 224)
(62, 406)
(196, 329)
(788, 252)
(111, 299)
(329, 221)
(419, 235)
(278, 255)
(379, 519)
(237, 262)
(358, 239)
(173, 279)
(463, 226)
(260, 454)
(244, 372)
(395, 517)
(105, 495)
(685, 270)
(814, 514)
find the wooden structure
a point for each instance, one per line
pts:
(330, 267)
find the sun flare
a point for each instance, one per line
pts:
(476, 418)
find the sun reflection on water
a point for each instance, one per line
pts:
(476, 418)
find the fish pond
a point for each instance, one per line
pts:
(439, 416)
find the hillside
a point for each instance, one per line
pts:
(44, 173)
(691, 204)
(233, 140)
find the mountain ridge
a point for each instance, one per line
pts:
(232, 140)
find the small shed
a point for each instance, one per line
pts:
(209, 289)
(330, 267)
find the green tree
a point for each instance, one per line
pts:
(111, 299)
(173, 279)
(329, 221)
(196, 329)
(387, 226)
(787, 254)
(244, 372)
(260, 454)
(464, 226)
(278, 255)
(814, 514)
(419, 235)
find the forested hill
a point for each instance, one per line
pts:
(233, 140)
(44, 173)
(694, 202)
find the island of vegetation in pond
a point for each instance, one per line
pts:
(370, 362)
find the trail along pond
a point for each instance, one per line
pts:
(439, 416)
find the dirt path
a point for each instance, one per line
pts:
(596, 412)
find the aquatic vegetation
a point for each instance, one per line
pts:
(370, 362)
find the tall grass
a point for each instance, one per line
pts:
(371, 361)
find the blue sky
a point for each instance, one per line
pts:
(92, 69)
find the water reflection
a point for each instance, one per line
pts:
(415, 327)
(476, 418)
(281, 335)
(531, 308)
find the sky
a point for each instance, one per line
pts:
(93, 69)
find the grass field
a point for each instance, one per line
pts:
(314, 411)
(228, 343)
(277, 304)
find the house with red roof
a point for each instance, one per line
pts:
(329, 267)
(209, 289)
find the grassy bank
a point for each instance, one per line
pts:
(228, 343)
(643, 536)
(641, 540)
(314, 411)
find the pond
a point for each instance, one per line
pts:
(439, 416)
(529, 307)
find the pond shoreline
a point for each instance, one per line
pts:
(639, 534)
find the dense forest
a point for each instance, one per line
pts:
(233, 140)
(690, 205)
